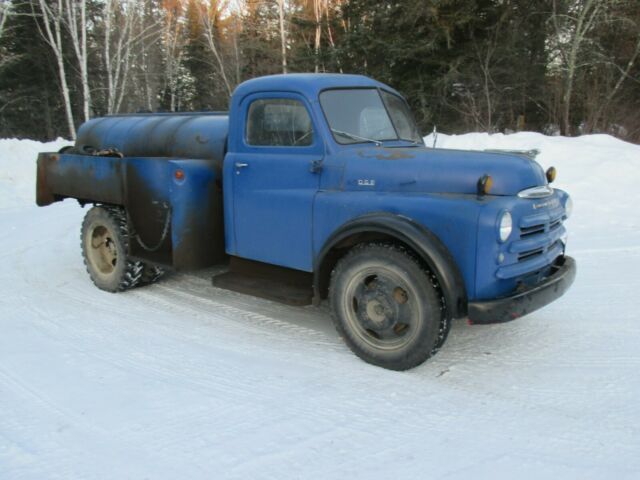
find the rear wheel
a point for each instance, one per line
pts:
(386, 306)
(151, 274)
(105, 243)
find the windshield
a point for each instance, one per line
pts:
(368, 115)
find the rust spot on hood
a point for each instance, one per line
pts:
(387, 154)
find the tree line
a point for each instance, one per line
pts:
(555, 66)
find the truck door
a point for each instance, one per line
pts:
(275, 174)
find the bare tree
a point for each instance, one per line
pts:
(117, 56)
(320, 13)
(236, 50)
(208, 17)
(52, 17)
(317, 13)
(484, 56)
(577, 23)
(5, 11)
(76, 22)
(329, 29)
(173, 43)
(283, 35)
(148, 55)
(124, 30)
(615, 72)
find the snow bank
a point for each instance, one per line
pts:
(18, 167)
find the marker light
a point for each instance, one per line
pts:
(179, 174)
(484, 184)
(551, 174)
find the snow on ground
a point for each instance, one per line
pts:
(18, 169)
(181, 380)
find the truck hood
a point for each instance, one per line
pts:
(429, 170)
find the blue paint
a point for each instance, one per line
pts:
(269, 203)
(155, 175)
(100, 169)
(452, 218)
(422, 170)
(495, 279)
(189, 197)
(197, 135)
(280, 210)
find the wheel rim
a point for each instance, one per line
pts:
(102, 251)
(381, 308)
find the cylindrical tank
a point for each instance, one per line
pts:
(176, 135)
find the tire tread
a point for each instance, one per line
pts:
(391, 250)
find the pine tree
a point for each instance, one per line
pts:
(30, 102)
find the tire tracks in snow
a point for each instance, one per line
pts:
(159, 368)
(230, 312)
(163, 369)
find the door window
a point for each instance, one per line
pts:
(279, 122)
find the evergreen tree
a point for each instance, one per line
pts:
(196, 59)
(30, 104)
(488, 65)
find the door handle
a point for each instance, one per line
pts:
(315, 166)
(241, 165)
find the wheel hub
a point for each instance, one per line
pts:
(102, 253)
(379, 312)
(381, 308)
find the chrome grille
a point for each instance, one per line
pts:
(539, 235)
(529, 254)
(556, 224)
(526, 231)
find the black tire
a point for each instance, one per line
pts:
(105, 245)
(151, 274)
(387, 306)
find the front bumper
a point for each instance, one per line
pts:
(526, 301)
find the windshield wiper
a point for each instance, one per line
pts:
(353, 136)
(412, 143)
(417, 143)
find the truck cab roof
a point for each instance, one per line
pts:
(307, 84)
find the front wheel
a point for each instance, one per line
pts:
(386, 306)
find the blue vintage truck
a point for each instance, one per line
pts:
(319, 186)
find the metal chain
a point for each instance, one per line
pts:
(165, 230)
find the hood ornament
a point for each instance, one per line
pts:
(536, 192)
(532, 154)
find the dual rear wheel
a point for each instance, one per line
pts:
(105, 240)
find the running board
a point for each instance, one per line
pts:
(280, 284)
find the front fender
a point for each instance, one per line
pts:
(427, 245)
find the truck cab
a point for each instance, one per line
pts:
(320, 184)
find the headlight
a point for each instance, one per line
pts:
(505, 226)
(568, 207)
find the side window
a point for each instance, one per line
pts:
(279, 122)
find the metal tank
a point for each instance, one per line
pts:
(166, 173)
(177, 135)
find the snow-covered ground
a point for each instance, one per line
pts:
(183, 381)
